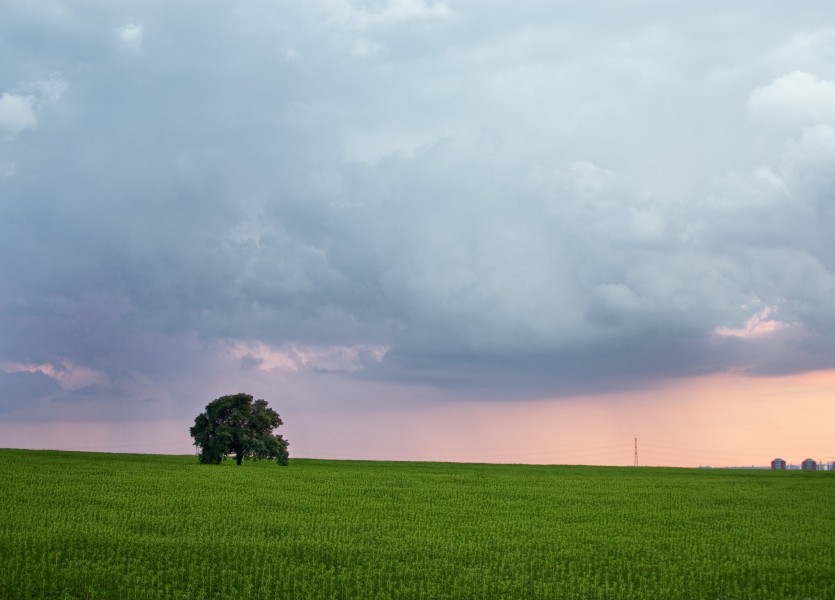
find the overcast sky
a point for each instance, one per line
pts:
(391, 217)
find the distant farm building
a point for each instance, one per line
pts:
(778, 463)
(809, 465)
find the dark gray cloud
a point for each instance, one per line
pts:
(21, 388)
(531, 200)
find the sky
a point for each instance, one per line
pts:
(458, 230)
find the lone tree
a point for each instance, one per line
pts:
(237, 425)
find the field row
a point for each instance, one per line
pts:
(109, 526)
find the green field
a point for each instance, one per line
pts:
(79, 525)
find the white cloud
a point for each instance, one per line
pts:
(808, 165)
(392, 12)
(47, 91)
(19, 109)
(68, 375)
(759, 324)
(364, 48)
(816, 145)
(373, 145)
(796, 97)
(131, 35)
(402, 10)
(811, 50)
(17, 113)
(590, 179)
(291, 358)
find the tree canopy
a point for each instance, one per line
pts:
(238, 426)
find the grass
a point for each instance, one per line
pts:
(83, 525)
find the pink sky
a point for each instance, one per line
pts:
(718, 420)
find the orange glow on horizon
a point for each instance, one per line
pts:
(718, 420)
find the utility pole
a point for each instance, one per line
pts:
(636, 452)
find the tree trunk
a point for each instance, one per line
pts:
(239, 457)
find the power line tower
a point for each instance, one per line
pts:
(636, 452)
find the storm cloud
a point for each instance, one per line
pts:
(527, 200)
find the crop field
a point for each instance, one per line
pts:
(80, 525)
